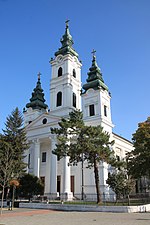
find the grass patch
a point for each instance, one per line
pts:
(119, 203)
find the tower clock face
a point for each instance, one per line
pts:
(60, 59)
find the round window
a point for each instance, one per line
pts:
(44, 121)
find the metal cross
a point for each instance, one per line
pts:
(93, 52)
(67, 21)
(39, 75)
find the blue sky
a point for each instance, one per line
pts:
(119, 30)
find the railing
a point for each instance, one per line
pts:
(106, 199)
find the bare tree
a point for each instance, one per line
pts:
(7, 164)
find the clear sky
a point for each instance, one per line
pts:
(119, 30)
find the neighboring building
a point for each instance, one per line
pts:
(65, 95)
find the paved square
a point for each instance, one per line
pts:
(48, 217)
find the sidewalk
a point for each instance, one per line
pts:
(22, 212)
(47, 217)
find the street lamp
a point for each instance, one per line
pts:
(82, 177)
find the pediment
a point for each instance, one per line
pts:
(44, 120)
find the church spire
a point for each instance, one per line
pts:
(37, 100)
(95, 79)
(67, 43)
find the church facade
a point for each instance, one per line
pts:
(59, 177)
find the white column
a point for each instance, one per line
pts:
(47, 172)
(53, 170)
(67, 195)
(37, 158)
(66, 175)
(103, 176)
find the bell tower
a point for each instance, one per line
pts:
(96, 99)
(37, 105)
(65, 84)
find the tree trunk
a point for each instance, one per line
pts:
(13, 196)
(128, 200)
(97, 181)
(2, 200)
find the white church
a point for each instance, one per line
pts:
(59, 177)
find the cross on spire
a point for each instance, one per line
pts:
(93, 52)
(39, 75)
(67, 23)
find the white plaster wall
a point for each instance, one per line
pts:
(45, 166)
(121, 145)
(67, 84)
(99, 98)
(31, 115)
(88, 208)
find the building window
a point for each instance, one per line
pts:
(29, 159)
(59, 99)
(44, 121)
(74, 73)
(43, 156)
(91, 110)
(72, 182)
(58, 184)
(60, 72)
(105, 110)
(118, 158)
(74, 100)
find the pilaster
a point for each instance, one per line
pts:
(37, 158)
(53, 170)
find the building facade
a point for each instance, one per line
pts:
(61, 178)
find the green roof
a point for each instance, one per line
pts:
(95, 79)
(67, 43)
(37, 100)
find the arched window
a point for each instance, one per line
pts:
(91, 110)
(59, 99)
(74, 100)
(74, 73)
(60, 72)
(105, 110)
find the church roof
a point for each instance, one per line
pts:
(67, 43)
(37, 100)
(95, 79)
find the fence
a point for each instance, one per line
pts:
(106, 199)
(134, 199)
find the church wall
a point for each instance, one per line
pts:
(45, 166)
(30, 115)
(66, 83)
(99, 98)
(31, 163)
(76, 172)
(121, 146)
(60, 169)
(42, 141)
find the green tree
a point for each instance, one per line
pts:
(30, 185)
(121, 184)
(67, 133)
(139, 157)
(6, 165)
(15, 135)
(80, 142)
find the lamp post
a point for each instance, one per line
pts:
(14, 183)
(82, 177)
